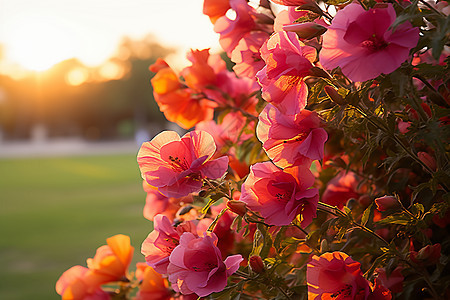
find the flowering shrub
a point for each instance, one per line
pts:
(317, 168)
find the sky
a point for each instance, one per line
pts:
(37, 34)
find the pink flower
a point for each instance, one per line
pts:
(335, 275)
(281, 195)
(226, 134)
(196, 265)
(287, 17)
(246, 55)
(231, 31)
(291, 139)
(74, 285)
(361, 43)
(235, 92)
(288, 61)
(156, 203)
(177, 166)
(160, 243)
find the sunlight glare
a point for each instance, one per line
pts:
(38, 44)
(77, 76)
(111, 71)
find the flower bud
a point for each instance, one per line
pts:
(428, 255)
(334, 95)
(256, 264)
(428, 160)
(238, 207)
(386, 202)
(306, 30)
(310, 5)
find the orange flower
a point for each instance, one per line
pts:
(179, 104)
(111, 261)
(214, 9)
(72, 285)
(200, 74)
(153, 286)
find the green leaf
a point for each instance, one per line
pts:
(262, 241)
(400, 219)
(366, 214)
(258, 242)
(237, 223)
(279, 238)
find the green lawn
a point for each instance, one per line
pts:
(55, 212)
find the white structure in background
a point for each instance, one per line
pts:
(39, 134)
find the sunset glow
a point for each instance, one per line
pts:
(38, 44)
(37, 35)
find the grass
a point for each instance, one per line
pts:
(55, 212)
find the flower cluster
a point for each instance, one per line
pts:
(110, 265)
(318, 168)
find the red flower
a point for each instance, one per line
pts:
(337, 276)
(428, 255)
(281, 195)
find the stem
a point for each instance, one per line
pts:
(306, 241)
(256, 221)
(420, 110)
(365, 229)
(337, 212)
(214, 223)
(426, 278)
(243, 275)
(284, 293)
(429, 86)
(363, 5)
(301, 229)
(243, 112)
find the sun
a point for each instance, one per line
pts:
(38, 43)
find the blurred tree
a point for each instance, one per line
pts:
(96, 103)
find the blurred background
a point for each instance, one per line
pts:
(75, 105)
